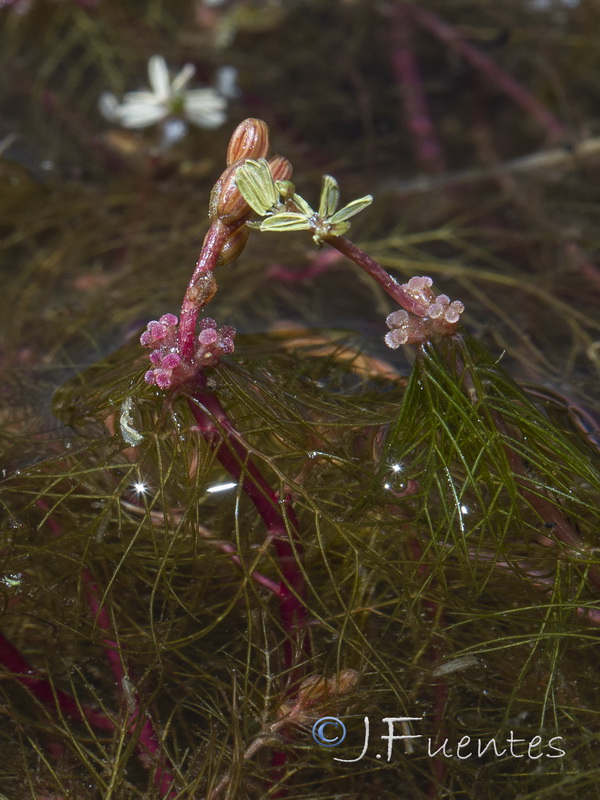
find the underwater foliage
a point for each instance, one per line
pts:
(225, 540)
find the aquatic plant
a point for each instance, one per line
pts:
(238, 548)
(220, 546)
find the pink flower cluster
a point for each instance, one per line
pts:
(213, 342)
(432, 315)
(162, 335)
(169, 368)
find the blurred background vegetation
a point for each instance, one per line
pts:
(100, 230)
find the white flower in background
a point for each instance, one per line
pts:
(168, 99)
(226, 82)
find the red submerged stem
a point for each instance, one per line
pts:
(149, 748)
(505, 82)
(549, 513)
(532, 494)
(540, 581)
(12, 660)
(320, 262)
(148, 743)
(209, 256)
(277, 514)
(414, 99)
(262, 580)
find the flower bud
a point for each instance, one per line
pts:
(234, 245)
(317, 689)
(280, 168)
(318, 692)
(421, 292)
(249, 140)
(226, 201)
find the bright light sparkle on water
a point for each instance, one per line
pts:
(221, 487)
(140, 488)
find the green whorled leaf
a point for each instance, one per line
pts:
(330, 197)
(285, 188)
(286, 221)
(301, 203)
(355, 207)
(339, 229)
(255, 182)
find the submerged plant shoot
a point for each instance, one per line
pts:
(301, 500)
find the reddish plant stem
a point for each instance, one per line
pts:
(148, 744)
(549, 513)
(581, 417)
(275, 588)
(12, 660)
(561, 527)
(376, 271)
(563, 530)
(505, 82)
(207, 260)
(539, 580)
(320, 262)
(278, 516)
(408, 76)
(224, 547)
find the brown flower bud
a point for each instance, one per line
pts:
(249, 140)
(318, 692)
(234, 245)
(280, 168)
(226, 201)
(317, 689)
(213, 202)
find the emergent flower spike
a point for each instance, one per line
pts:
(249, 183)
